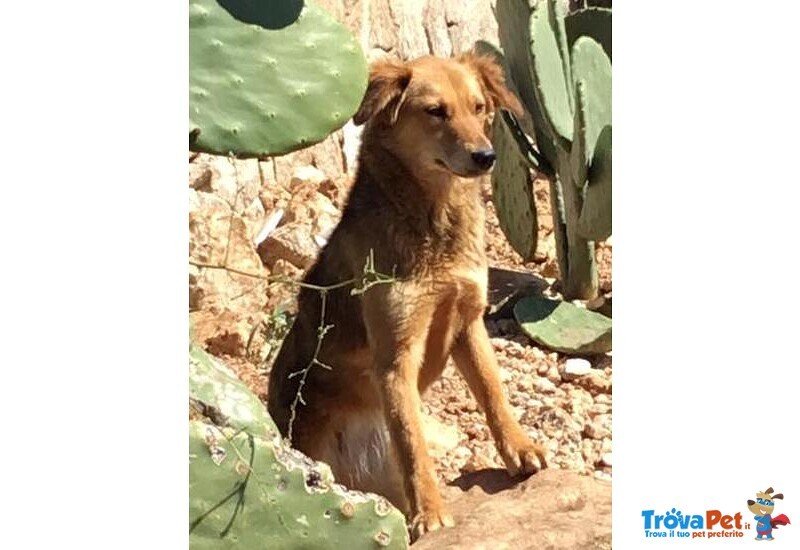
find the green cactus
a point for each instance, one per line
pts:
(512, 193)
(268, 78)
(561, 66)
(249, 489)
(563, 326)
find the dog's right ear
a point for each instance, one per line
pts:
(388, 80)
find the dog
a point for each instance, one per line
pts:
(415, 208)
(762, 509)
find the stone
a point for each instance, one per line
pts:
(304, 176)
(292, 242)
(596, 382)
(236, 181)
(543, 385)
(553, 509)
(439, 437)
(576, 366)
(224, 333)
(599, 427)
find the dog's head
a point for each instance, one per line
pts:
(764, 503)
(437, 112)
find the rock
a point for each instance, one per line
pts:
(543, 385)
(553, 509)
(224, 333)
(602, 476)
(553, 375)
(304, 176)
(596, 382)
(439, 437)
(599, 427)
(293, 242)
(220, 237)
(325, 156)
(225, 304)
(562, 326)
(288, 270)
(336, 190)
(270, 224)
(236, 182)
(575, 367)
(606, 459)
(478, 462)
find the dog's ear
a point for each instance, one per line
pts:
(388, 80)
(768, 491)
(751, 502)
(493, 81)
(779, 496)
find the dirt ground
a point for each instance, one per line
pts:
(571, 415)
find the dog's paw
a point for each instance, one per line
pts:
(430, 520)
(522, 456)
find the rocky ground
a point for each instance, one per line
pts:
(564, 402)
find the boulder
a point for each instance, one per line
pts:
(554, 509)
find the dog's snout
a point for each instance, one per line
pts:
(484, 158)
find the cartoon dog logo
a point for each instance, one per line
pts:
(762, 508)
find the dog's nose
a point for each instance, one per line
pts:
(484, 158)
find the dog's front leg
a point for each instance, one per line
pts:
(473, 354)
(397, 337)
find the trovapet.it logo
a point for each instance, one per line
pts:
(710, 524)
(717, 524)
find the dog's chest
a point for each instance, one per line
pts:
(461, 293)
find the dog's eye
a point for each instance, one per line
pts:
(438, 111)
(479, 108)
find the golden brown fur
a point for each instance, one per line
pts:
(415, 204)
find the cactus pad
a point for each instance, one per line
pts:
(512, 192)
(591, 70)
(212, 385)
(272, 86)
(248, 489)
(593, 22)
(551, 67)
(563, 327)
(595, 219)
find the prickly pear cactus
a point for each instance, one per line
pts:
(512, 193)
(563, 327)
(562, 68)
(248, 489)
(266, 78)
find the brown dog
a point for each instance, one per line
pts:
(415, 204)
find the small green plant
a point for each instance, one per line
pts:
(561, 67)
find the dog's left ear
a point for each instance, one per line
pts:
(779, 496)
(493, 81)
